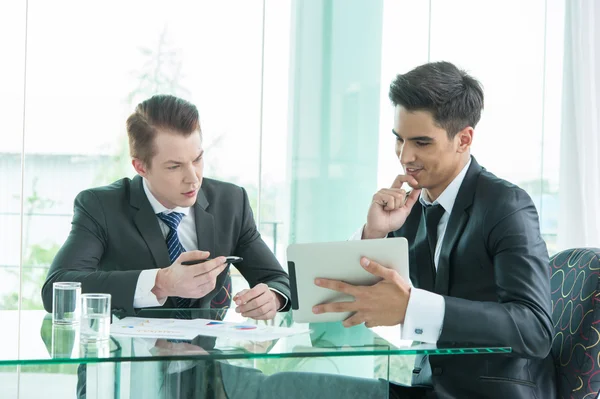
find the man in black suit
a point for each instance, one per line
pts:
(477, 259)
(129, 239)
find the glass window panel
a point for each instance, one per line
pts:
(515, 49)
(504, 49)
(405, 44)
(549, 204)
(274, 194)
(12, 43)
(84, 80)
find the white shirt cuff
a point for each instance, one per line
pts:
(143, 297)
(284, 297)
(357, 236)
(424, 316)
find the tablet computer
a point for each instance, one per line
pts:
(338, 261)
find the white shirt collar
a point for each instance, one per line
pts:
(157, 206)
(448, 196)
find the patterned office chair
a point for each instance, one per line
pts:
(575, 285)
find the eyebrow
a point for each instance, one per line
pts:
(181, 163)
(419, 138)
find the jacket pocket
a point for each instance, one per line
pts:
(508, 380)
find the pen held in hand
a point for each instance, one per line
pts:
(228, 259)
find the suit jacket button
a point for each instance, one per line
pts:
(437, 371)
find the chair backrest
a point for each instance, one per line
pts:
(575, 279)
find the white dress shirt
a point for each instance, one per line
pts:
(186, 231)
(425, 311)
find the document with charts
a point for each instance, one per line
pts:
(188, 329)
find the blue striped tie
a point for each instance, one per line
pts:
(172, 220)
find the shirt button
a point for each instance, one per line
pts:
(418, 331)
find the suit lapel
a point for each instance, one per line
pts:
(456, 224)
(205, 232)
(147, 224)
(205, 225)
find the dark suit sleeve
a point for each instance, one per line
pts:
(78, 258)
(521, 317)
(260, 264)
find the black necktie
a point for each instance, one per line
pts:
(433, 214)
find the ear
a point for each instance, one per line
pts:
(139, 167)
(464, 139)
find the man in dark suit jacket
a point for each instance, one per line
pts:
(129, 239)
(477, 259)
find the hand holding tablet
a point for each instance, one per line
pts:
(339, 261)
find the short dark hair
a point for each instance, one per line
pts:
(159, 112)
(454, 98)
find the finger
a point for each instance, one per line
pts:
(412, 198)
(390, 202)
(398, 194)
(353, 320)
(336, 285)
(385, 200)
(335, 307)
(207, 282)
(377, 270)
(255, 303)
(265, 313)
(370, 324)
(242, 292)
(209, 276)
(192, 255)
(400, 179)
(393, 191)
(208, 266)
(382, 199)
(259, 311)
(249, 295)
(204, 288)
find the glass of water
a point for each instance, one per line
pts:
(66, 302)
(95, 317)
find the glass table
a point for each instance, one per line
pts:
(326, 361)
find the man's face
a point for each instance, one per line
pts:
(175, 174)
(426, 152)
